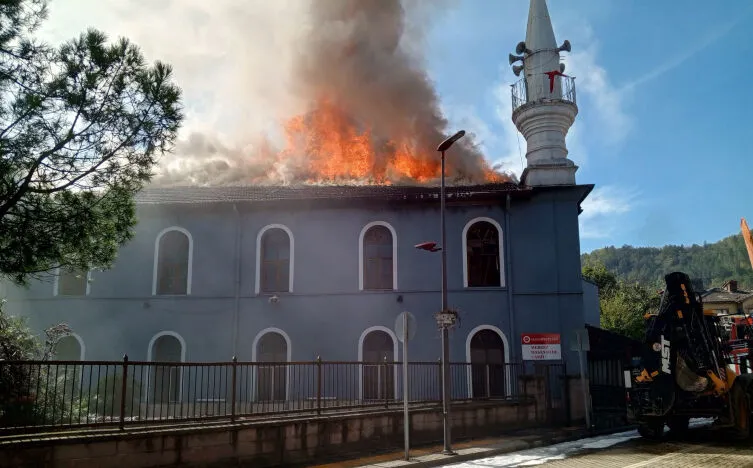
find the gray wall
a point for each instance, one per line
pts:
(591, 307)
(326, 314)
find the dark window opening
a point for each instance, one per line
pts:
(483, 255)
(72, 282)
(487, 365)
(272, 349)
(172, 266)
(166, 379)
(275, 261)
(377, 259)
(378, 367)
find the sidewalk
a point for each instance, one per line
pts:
(470, 450)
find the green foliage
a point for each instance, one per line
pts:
(106, 401)
(711, 264)
(81, 126)
(45, 392)
(33, 393)
(622, 304)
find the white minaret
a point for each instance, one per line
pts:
(543, 102)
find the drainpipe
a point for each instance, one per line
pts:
(237, 307)
(508, 274)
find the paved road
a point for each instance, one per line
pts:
(701, 448)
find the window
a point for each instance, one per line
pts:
(377, 355)
(69, 348)
(378, 260)
(173, 263)
(482, 251)
(166, 379)
(272, 380)
(275, 261)
(487, 365)
(71, 282)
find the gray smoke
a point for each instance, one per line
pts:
(364, 57)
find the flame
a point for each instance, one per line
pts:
(338, 149)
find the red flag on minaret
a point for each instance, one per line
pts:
(551, 76)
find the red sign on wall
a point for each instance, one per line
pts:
(541, 346)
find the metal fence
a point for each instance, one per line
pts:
(51, 395)
(539, 88)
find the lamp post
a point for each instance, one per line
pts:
(430, 246)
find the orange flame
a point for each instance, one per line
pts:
(338, 149)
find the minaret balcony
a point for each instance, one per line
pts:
(541, 88)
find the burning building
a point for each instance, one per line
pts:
(294, 264)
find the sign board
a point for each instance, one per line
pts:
(445, 319)
(400, 326)
(541, 346)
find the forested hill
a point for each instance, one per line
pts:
(711, 263)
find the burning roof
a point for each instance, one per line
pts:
(332, 193)
(367, 112)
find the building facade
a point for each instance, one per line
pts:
(295, 273)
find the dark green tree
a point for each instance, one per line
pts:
(81, 127)
(622, 304)
(709, 264)
(603, 278)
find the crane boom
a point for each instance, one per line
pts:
(748, 240)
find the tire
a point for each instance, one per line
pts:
(740, 399)
(651, 430)
(678, 424)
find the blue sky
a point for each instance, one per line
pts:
(664, 92)
(665, 97)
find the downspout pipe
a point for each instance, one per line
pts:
(237, 295)
(508, 273)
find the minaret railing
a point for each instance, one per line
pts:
(527, 91)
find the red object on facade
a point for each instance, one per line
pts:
(551, 75)
(430, 246)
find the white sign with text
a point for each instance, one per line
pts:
(541, 346)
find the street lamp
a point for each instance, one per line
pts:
(442, 317)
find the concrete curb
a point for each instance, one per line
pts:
(475, 453)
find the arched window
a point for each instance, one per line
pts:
(68, 348)
(275, 267)
(487, 364)
(482, 251)
(173, 263)
(72, 282)
(378, 258)
(378, 354)
(166, 379)
(272, 381)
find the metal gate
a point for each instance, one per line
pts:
(608, 393)
(611, 354)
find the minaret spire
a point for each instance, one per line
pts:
(543, 101)
(539, 33)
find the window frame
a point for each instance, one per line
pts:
(500, 252)
(189, 273)
(362, 266)
(56, 285)
(259, 256)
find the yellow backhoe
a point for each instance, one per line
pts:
(685, 365)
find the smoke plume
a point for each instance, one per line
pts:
(252, 70)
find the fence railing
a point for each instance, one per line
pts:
(46, 395)
(539, 88)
